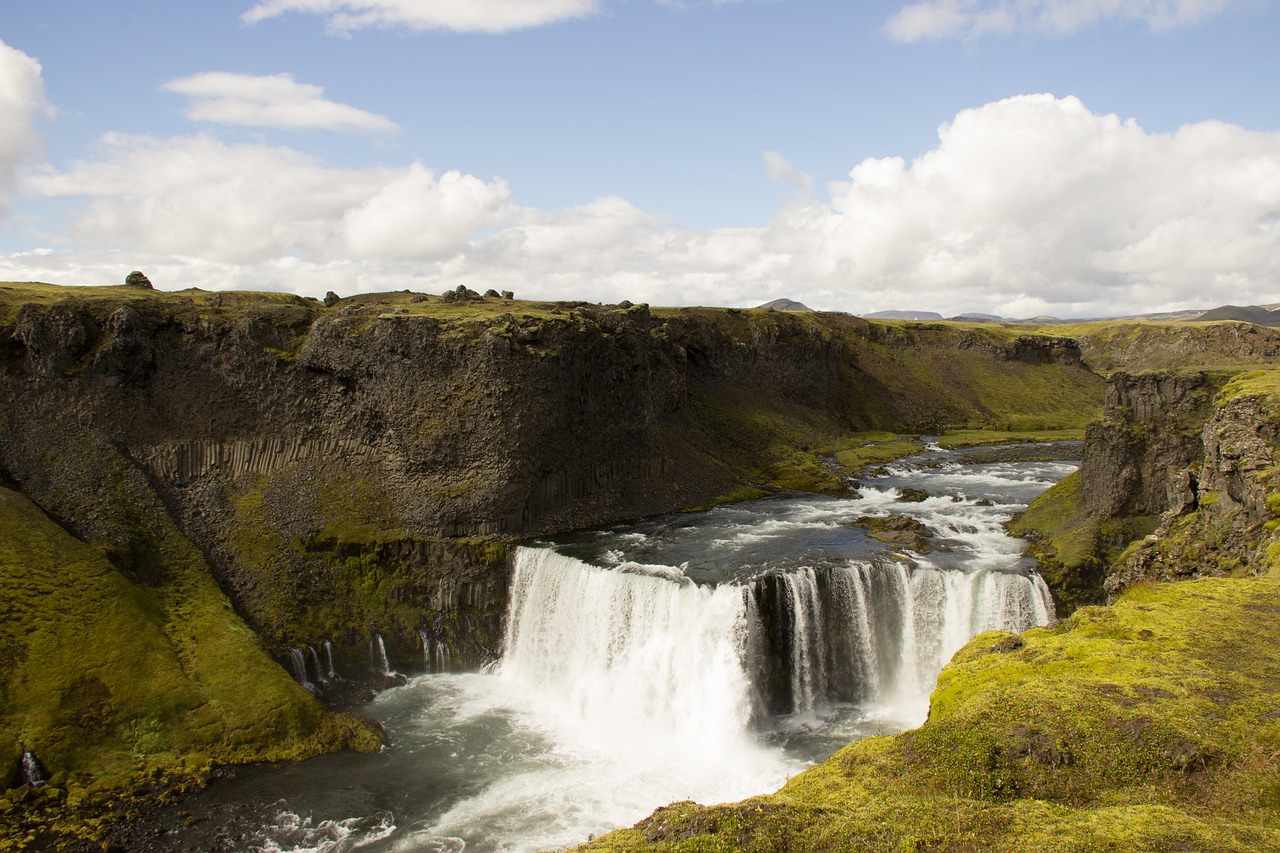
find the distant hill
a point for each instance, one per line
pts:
(786, 305)
(903, 315)
(1257, 314)
(979, 318)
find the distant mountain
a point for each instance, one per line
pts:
(972, 317)
(1257, 314)
(903, 315)
(786, 305)
(1261, 315)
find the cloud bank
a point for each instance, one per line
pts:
(22, 103)
(934, 20)
(482, 16)
(1026, 206)
(275, 100)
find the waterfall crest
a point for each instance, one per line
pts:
(628, 647)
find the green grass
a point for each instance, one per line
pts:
(857, 458)
(961, 438)
(105, 676)
(1148, 725)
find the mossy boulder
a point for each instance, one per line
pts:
(899, 530)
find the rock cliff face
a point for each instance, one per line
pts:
(350, 477)
(1222, 526)
(1174, 483)
(1136, 456)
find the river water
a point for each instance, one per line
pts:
(703, 656)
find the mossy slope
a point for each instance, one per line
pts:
(1147, 725)
(106, 676)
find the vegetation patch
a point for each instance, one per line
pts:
(109, 678)
(962, 438)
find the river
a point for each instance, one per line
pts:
(705, 656)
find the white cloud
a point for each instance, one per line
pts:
(1036, 198)
(940, 19)
(1030, 205)
(247, 204)
(781, 171)
(487, 16)
(22, 104)
(415, 216)
(271, 101)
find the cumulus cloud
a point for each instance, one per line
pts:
(1026, 206)
(417, 216)
(487, 16)
(22, 103)
(247, 204)
(941, 19)
(271, 101)
(1034, 202)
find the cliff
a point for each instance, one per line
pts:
(347, 473)
(1137, 464)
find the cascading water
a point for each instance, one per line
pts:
(329, 670)
(636, 647)
(435, 653)
(298, 665)
(705, 656)
(313, 660)
(378, 656)
(31, 773)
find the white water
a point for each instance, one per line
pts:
(704, 658)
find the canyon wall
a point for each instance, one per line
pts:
(305, 480)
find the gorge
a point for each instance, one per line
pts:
(195, 484)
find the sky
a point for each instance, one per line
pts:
(1068, 158)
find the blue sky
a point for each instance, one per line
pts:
(1019, 157)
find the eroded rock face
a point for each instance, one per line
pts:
(1220, 529)
(358, 469)
(1136, 457)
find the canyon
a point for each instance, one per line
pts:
(195, 486)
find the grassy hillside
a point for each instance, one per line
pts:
(116, 680)
(1146, 345)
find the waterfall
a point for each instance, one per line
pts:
(298, 663)
(435, 653)
(636, 645)
(635, 655)
(32, 773)
(378, 656)
(313, 660)
(330, 672)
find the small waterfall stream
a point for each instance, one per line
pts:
(707, 656)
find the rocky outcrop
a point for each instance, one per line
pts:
(1224, 528)
(1139, 461)
(1136, 456)
(1175, 482)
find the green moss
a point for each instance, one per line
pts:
(1144, 726)
(104, 673)
(955, 439)
(857, 458)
